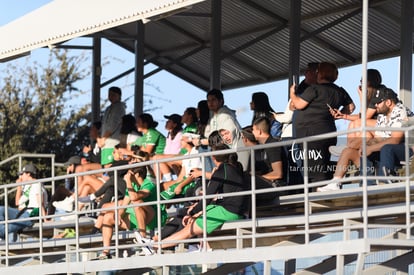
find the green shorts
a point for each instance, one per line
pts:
(216, 216)
(107, 155)
(152, 224)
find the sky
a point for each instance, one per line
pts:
(164, 87)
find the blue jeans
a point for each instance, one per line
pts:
(15, 226)
(208, 160)
(390, 157)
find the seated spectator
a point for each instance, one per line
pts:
(260, 106)
(234, 140)
(104, 188)
(30, 199)
(189, 118)
(128, 132)
(227, 178)
(91, 151)
(138, 189)
(184, 180)
(173, 144)
(391, 113)
(270, 168)
(153, 142)
(354, 139)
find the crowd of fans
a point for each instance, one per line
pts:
(121, 139)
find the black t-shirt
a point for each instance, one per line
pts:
(316, 115)
(267, 157)
(226, 179)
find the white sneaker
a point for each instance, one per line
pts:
(336, 150)
(141, 240)
(330, 187)
(65, 205)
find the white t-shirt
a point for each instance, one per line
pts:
(192, 163)
(31, 193)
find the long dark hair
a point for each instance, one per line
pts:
(262, 106)
(148, 120)
(204, 116)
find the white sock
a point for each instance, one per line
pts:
(167, 177)
(92, 197)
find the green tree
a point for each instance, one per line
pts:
(36, 115)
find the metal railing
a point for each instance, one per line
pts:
(304, 216)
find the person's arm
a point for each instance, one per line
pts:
(182, 184)
(376, 144)
(133, 194)
(297, 102)
(18, 192)
(348, 109)
(285, 117)
(276, 173)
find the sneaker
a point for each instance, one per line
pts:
(86, 199)
(330, 187)
(104, 256)
(65, 205)
(141, 240)
(336, 150)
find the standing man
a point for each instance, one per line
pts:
(111, 125)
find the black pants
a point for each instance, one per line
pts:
(108, 190)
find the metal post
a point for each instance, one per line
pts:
(406, 52)
(96, 79)
(215, 62)
(139, 69)
(294, 40)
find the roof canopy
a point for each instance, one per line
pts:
(254, 38)
(62, 20)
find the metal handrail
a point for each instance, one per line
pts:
(307, 218)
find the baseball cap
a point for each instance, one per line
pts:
(73, 160)
(176, 118)
(384, 93)
(29, 168)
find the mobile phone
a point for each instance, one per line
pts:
(329, 106)
(294, 79)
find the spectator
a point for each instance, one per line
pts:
(391, 113)
(175, 132)
(203, 115)
(354, 139)
(261, 108)
(234, 140)
(270, 166)
(128, 133)
(104, 188)
(152, 141)
(139, 189)
(314, 118)
(30, 199)
(172, 148)
(184, 180)
(91, 151)
(285, 119)
(221, 116)
(189, 118)
(111, 125)
(227, 178)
